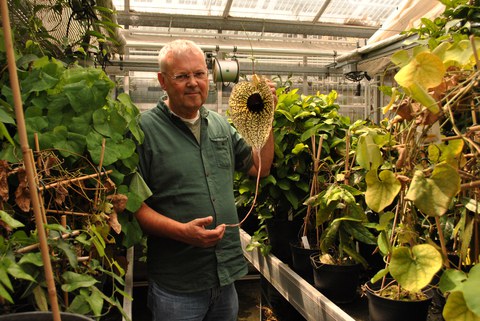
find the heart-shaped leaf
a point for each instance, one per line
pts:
(414, 268)
(381, 190)
(455, 309)
(433, 195)
(425, 69)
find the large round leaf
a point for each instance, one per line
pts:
(414, 268)
(381, 190)
(425, 69)
(433, 195)
(470, 290)
(456, 310)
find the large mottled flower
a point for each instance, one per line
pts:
(251, 109)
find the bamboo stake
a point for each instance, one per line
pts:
(71, 180)
(68, 212)
(27, 158)
(442, 241)
(102, 154)
(470, 185)
(36, 245)
(65, 293)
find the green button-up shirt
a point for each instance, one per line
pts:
(191, 180)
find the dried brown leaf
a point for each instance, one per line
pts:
(3, 180)
(60, 194)
(113, 222)
(22, 194)
(119, 202)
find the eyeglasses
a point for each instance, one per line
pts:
(182, 78)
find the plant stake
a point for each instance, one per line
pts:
(29, 162)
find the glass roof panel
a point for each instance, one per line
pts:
(359, 12)
(355, 12)
(296, 10)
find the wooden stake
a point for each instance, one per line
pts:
(27, 158)
(71, 180)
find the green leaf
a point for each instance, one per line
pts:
(10, 221)
(359, 232)
(433, 195)
(16, 271)
(4, 294)
(108, 122)
(96, 302)
(383, 243)
(79, 305)
(368, 153)
(379, 275)
(381, 190)
(34, 258)
(414, 268)
(4, 279)
(470, 290)
(74, 281)
(132, 232)
(40, 298)
(69, 252)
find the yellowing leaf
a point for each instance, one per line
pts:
(368, 153)
(451, 153)
(456, 310)
(392, 100)
(400, 58)
(426, 69)
(414, 268)
(381, 190)
(459, 53)
(433, 195)
(420, 94)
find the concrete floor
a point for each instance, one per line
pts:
(249, 299)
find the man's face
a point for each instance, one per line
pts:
(185, 79)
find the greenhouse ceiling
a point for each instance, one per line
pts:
(292, 33)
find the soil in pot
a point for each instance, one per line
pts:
(385, 309)
(339, 283)
(301, 260)
(42, 316)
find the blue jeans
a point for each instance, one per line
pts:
(217, 304)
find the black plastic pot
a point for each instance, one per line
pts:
(385, 309)
(42, 316)
(339, 283)
(280, 233)
(301, 261)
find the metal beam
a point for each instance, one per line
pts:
(120, 67)
(243, 24)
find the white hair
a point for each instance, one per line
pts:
(176, 47)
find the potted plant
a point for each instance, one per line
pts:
(341, 222)
(428, 158)
(299, 124)
(84, 141)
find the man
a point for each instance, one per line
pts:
(188, 160)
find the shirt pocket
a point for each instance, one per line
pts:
(222, 151)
